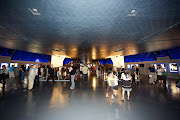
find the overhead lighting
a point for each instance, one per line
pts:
(133, 12)
(117, 50)
(34, 11)
(58, 50)
(63, 49)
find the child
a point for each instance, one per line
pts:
(116, 84)
(126, 84)
(111, 83)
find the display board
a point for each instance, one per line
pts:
(15, 64)
(137, 65)
(129, 66)
(155, 65)
(6, 64)
(173, 67)
(27, 65)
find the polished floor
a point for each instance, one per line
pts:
(87, 102)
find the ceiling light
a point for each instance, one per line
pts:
(63, 49)
(34, 11)
(117, 50)
(133, 11)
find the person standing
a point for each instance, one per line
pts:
(31, 77)
(72, 71)
(23, 72)
(160, 77)
(38, 73)
(85, 72)
(50, 73)
(11, 71)
(59, 75)
(151, 72)
(133, 72)
(126, 84)
(42, 72)
(97, 70)
(116, 84)
(137, 71)
(3, 73)
(111, 84)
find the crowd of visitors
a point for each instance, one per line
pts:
(126, 76)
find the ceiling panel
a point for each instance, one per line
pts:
(90, 28)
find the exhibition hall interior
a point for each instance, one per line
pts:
(89, 59)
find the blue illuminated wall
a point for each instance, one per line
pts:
(162, 53)
(32, 57)
(175, 53)
(67, 60)
(5, 52)
(140, 57)
(106, 61)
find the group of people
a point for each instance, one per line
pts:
(112, 81)
(158, 75)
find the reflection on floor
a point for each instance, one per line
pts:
(87, 102)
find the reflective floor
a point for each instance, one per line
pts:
(87, 102)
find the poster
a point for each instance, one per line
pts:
(173, 67)
(15, 64)
(132, 65)
(155, 65)
(129, 66)
(27, 65)
(137, 65)
(6, 64)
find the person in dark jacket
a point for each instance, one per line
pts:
(50, 73)
(23, 72)
(38, 73)
(72, 71)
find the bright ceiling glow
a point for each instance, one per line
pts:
(34, 11)
(133, 11)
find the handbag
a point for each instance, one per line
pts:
(75, 77)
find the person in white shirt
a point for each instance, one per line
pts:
(85, 72)
(42, 71)
(32, 74)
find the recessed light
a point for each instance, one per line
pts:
(117, 50)
(34, 11)
(133, 11)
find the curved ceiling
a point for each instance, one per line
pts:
(91, 29)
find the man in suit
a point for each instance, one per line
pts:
(50, 73)
(38, 73)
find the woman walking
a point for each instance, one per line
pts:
(126, 84)
(160, 77)
(111, 84)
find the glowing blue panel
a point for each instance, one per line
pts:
(6, 52)
(175, 53)
(32, 57)
(140, 57)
